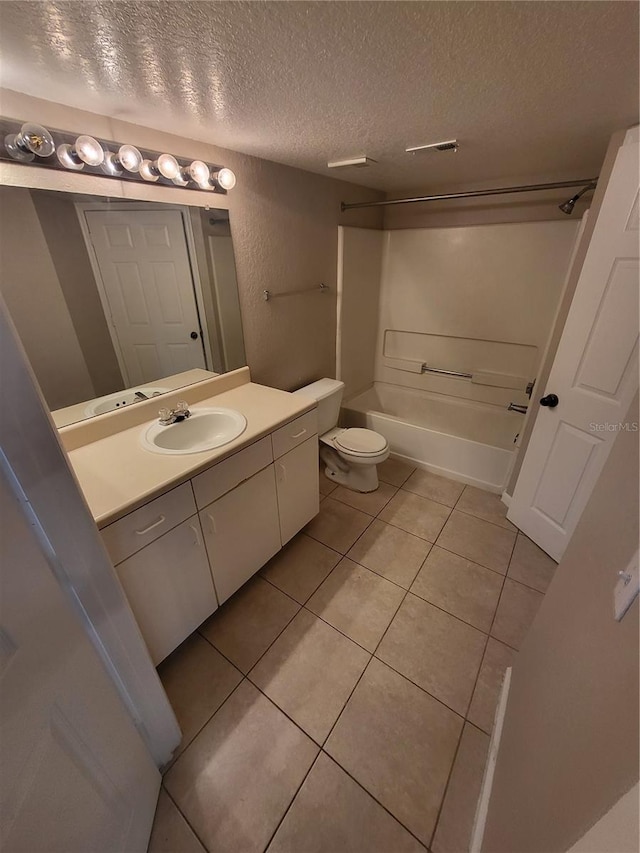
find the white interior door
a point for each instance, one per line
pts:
(147, 283)
(76, 775)
(594, 375)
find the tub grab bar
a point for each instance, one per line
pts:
(427, 369)
(268, 294)
(412, 366)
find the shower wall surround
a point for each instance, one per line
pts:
(478, 300)
(447, 295)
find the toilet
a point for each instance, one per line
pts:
(350, 455)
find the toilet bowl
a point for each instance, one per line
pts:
(350, 456)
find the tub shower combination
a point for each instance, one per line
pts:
(463, 439)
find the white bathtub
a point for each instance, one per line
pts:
(468, 441)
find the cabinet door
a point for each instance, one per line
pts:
(169, 587)
(242, 532)
(297, 483)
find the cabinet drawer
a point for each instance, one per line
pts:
(242, 532)
(141, 527)
(221, 478)
(293, 434)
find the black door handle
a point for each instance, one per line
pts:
(551, 400)
(194, 336)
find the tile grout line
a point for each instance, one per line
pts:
(489, 634)
(245, 677)
(374, 798)
(184, 817)
(386, 503)
(473, 690)
(457, 508)
(177, 758)
(293, 799)
(446, 787)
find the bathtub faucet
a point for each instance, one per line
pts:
(516, 407)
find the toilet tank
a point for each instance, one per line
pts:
(328, 394)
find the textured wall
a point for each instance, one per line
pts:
(359, 294)
(569, 746)
(284, 226)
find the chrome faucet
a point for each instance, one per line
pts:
(172, 416)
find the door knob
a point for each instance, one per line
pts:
(194, 336)
(551, 400)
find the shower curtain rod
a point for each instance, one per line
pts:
(474, 194)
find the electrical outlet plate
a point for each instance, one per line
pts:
(627, 588)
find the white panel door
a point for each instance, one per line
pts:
(242, 532)
(146, 275)
(594, 375)
(76, 775)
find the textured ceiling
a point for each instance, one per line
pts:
(530, 89)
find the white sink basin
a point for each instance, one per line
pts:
(206, 429)
(122, 398)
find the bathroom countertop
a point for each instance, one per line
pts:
(117, 474)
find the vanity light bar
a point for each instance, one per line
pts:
(29, 143)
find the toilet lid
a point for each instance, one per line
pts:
(361, 441)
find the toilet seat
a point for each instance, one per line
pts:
(360, 442)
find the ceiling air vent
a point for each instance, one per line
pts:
(359, 162)
(447, 145)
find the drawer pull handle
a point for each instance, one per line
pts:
(196, 535)
(283, 472)
(157, 523)
(212, 523)
(299, 434)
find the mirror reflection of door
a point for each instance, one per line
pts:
(146, 285)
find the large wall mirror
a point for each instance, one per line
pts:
(117, 301)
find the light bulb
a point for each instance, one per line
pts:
(147, 171)
(226, 178)
(89, 150)
(112, 165)
(69, 157)
(182, 178)
(168, 166)
(16, 151)
(199, 172)
(37, 139)
(130, 157)
(32, 140)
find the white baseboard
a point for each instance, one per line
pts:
(487, 782)
(506, 499)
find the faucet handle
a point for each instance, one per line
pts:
(182, 407)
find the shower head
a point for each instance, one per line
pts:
(567, 206)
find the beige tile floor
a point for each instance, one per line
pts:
(343, 699)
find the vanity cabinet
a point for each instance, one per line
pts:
(297, 486)
(242, 532)
(169, 587)
(185, 552)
